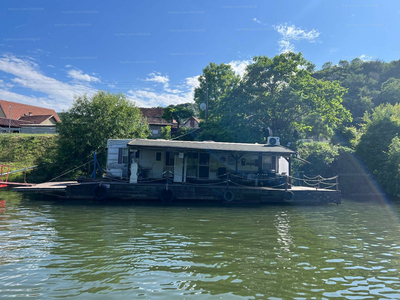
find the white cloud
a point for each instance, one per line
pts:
(193, 82)
(78, 75)
(239, 66)
(148, 98)
(292, 33)
(57, 95)
(333, 50)
(5, 85)
(68, 66)
(51, 66)
(158, 78)
(366, 57)
(144, 98)
(257, 21)
(285, 46)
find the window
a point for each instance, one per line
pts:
(158, 156)
(204, 159)
(169, 159)
(266, 163)
(192, 164)
(155, 131)
(122, 155)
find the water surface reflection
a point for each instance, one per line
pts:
(83, 250)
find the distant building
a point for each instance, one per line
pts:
(192, 122)
(23, 118)
(155, 120)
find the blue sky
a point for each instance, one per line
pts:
(153, 51)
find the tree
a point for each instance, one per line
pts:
(327, 65)
(390, 174)
(279, 94)
(344, 64)
(219, 80)
(382, 125)
(179, 112)
(390, 92)
(357, 62)
(89, 123)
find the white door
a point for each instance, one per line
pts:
(178, 169)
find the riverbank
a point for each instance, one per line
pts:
(21, 151)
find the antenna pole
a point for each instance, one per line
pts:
(9, 122)
(206, 99)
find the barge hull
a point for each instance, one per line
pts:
(183, 192)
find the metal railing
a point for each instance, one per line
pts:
(318, 182)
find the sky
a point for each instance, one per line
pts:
(153, 51)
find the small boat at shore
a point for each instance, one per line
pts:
(168, 171)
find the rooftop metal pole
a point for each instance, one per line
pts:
(206, 100)
(9, 122)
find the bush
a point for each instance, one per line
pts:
(21, 151)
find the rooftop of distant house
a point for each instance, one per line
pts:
(19, 110)
(154, 116)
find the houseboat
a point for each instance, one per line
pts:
(168, 171)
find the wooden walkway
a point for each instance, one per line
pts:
(14, 184)
(45, 187)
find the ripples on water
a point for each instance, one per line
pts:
(83, 250)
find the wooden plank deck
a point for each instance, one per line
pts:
(14, 184)
(45, 187)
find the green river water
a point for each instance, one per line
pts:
(84, 250)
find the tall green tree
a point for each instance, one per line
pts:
(87, 126)
(390, 92)
(279, 94)
(382, 125)
(218, 80)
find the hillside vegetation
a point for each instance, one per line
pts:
(22, 151)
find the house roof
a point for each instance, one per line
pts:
(194, 118)
(4, 122)
(18, 110)
(154, 116)
(211, 146)
(35, 119)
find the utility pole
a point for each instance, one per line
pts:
(9, 122)
(206, 99)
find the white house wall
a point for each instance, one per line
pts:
(147, 160)
(113, 168)
(283, 166)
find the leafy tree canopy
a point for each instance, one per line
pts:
(369, 84)
(382, 125)
(279, 94)
(90, 122)
(179, 112)
(219, 80)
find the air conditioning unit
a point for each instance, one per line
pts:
(273, 141)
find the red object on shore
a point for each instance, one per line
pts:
(2, 203)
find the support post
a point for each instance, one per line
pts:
(206, 99)
(9, 122)
(337, 183)
(96, 165)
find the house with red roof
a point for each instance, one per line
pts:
(192, 122)
(23, 118)
(156, 121)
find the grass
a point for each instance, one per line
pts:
(21, 151)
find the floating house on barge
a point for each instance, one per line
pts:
(165, 170)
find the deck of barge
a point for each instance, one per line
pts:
(201, 192)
